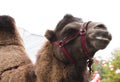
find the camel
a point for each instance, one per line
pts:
(15, 65)
(68, 53)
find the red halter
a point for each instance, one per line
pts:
(81, 33)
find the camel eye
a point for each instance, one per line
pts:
(69, 31)
(100, 26)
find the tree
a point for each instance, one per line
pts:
(111, 71)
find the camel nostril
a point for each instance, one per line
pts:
(104, 34)
(100, 26)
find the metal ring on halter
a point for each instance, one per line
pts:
(82, 31)
(61, 43)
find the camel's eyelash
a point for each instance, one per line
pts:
(101, 26)
(69, 31)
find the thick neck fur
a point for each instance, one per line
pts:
(49, 69)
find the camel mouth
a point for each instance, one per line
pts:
(103, 39)
(100, 41)
(106, 37)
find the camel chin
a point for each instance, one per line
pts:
(100, 44)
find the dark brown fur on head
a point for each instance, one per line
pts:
(68, 18)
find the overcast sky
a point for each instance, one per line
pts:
(38, 15)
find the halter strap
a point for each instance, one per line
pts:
(64, 41)
(83, 39)
(81, 33)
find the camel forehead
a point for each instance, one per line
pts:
(74, 25)
(95, 24)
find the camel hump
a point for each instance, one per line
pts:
(16, 66)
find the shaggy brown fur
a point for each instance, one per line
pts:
(53, 66)
(15, 66)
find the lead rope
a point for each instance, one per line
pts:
(85, 50)
(90, 62)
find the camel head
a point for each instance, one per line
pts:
(98, 35)
(73, 34)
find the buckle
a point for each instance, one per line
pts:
(82, 31)
(61, 43)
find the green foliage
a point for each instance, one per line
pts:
(106, 74)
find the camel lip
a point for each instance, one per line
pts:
(102, 38)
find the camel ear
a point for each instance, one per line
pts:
(50, 35)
